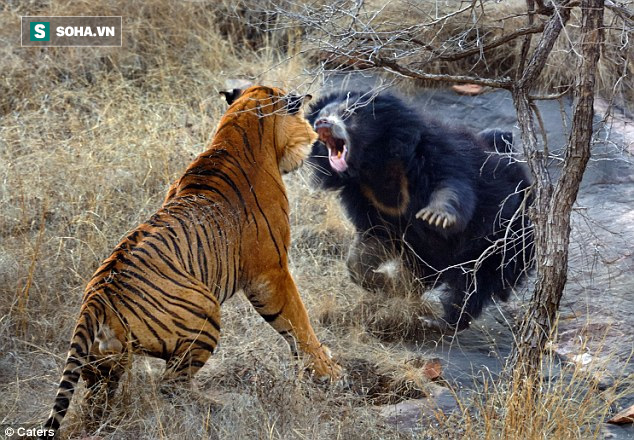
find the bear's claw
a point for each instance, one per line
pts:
(436, 217)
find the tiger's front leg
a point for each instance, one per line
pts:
(277, 300)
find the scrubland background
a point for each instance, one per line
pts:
(90, 139)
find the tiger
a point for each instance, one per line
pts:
(223, 227)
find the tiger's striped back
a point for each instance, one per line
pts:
(223, 227)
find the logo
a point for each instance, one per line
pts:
(71, 31)
(40, 31)
(24, 432)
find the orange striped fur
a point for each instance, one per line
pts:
(223, 227)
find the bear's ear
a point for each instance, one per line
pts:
(295, 102)
(231, 95)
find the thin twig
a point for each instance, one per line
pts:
(392, 66)
(620, 10)
(476, 50)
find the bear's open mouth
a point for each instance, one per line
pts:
(337, 148)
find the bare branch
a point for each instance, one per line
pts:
(495, 43)
(620, 10)
(544, 47)
(391, 66)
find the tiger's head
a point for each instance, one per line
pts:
(293, 135)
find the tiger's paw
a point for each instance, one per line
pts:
(324, 368)
(437, 217)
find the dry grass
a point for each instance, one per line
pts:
(89, 141)
(417, 34)
(564, 405)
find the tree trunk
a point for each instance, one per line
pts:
(553, 205)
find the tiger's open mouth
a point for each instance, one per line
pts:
(337, 148)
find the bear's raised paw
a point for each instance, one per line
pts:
(436, 217)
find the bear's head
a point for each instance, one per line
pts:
(362, 130)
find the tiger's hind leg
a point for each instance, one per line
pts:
(277, 300)
(181, 368)
(102, 376)
(190, 354)
(107, 362)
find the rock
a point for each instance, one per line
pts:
(616, 432)
(432, 369)
(429, 368)
(444, 399)
(625, 416)
(412, 414)
(582, 359)
(405, 415)
(467, 89)
(586, 344)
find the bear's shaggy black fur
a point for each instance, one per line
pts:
(439, 195)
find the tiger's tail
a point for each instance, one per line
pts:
(90, 320)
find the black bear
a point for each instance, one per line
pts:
(443, 198)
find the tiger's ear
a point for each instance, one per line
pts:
(295, 102)
(231, 95)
